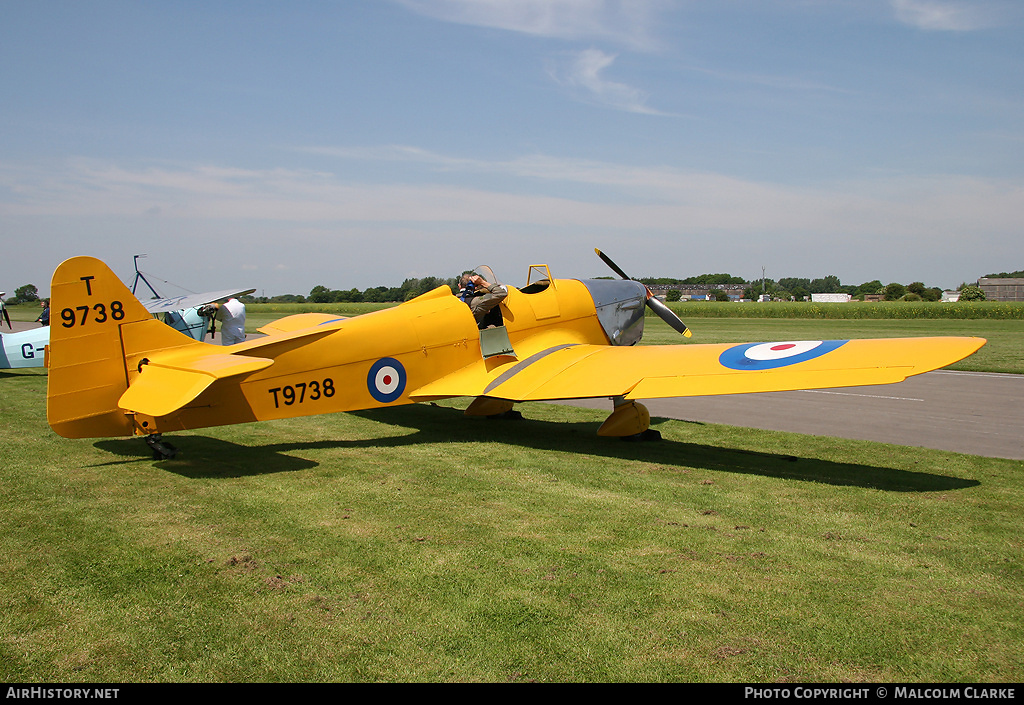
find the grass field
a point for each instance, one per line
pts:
(413, 544)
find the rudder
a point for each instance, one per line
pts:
(88, 373)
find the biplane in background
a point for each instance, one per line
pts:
(27, 348)
(187, 313)
(24, 348)
(115, 371)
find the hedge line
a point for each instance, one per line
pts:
(853, 310)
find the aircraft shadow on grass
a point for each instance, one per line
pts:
(21, 373)
(209, 457)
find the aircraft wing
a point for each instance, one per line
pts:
(179, 303)
(649, 372)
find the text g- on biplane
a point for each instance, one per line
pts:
(22, 349)
(116, 371)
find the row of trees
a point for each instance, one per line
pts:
(786, 288)
(790, 288)
(24, 295)
(410, 289)
(800, 289)
(320, 294)
(699, 280)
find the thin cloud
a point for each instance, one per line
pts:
(780, 82)
(623, 22)
(584, 74)
(717, 218)
(630, 197)
(947, 15)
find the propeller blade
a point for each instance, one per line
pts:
(7, 317)
(663, 311)
(607, 260)
(666, 314)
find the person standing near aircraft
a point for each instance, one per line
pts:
(231, 314)
(486, 295)
(44, 317)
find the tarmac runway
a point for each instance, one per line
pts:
(978, 413)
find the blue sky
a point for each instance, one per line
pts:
(353, 143)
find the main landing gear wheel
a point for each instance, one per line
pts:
(630, 421)
(510, 415)
(648, 435)
(161, 449)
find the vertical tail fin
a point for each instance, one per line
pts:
(88, 359)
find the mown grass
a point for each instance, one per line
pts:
(413, 544)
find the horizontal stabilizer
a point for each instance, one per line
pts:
(164, 387)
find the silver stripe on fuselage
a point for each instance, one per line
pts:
(520, 366)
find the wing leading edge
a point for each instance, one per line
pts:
(649, 372)
(179, 303)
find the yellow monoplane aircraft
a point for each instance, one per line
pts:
(117, 371)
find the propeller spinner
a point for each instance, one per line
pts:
(663, 311)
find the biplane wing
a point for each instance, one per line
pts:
(179, 303)
(184, 313)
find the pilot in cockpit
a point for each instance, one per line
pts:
(481, 295)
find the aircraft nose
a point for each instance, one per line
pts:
(619, 304)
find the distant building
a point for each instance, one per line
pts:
(689, 292)
(831, 298)
(1002, 289)
(950, 296)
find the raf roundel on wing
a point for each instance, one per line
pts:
(769, 356)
